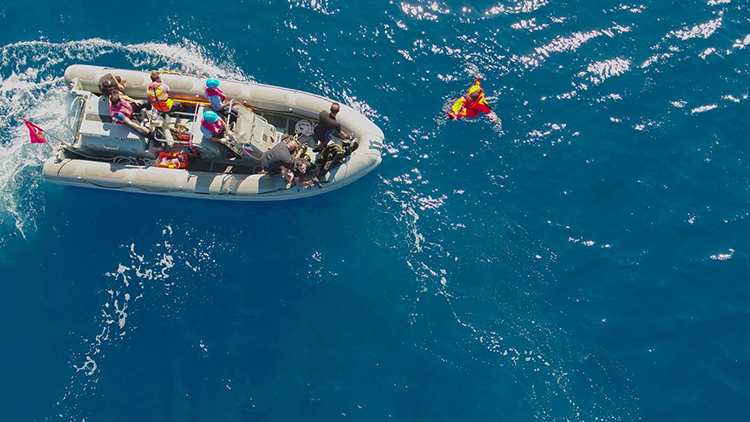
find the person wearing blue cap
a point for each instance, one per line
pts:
(215, 96)
(218, 100)
(212, 127)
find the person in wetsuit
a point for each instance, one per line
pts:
(327, 127)
(305, 173)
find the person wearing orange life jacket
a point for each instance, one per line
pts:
(158, 95)
(122, 107)
(472, 104)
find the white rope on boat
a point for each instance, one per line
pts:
(304, 127)
(132, 161)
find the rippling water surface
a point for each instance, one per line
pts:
(583, 261)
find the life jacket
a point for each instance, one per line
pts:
(159, 97)
(479, 102)
(470, 107)
(216, 128)
(124, 107)
(172, 160)
(210, 92)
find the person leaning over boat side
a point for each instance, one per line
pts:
(158, 95)
(110, 83)
(279, 159)
(122, 108)
(327, 126)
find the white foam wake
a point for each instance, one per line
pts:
(31, 85)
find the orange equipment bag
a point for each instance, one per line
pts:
(172, 160)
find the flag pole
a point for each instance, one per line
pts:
(43, 135)
(58, 140)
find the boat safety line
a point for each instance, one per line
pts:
(130, 185)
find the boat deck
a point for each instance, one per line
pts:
(229, 163)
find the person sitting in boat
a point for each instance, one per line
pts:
(218, 100)
(213, 128)
(110, 83)
(123, 109)
(472, 104)
(216, 97)
(279, 159)
(305, 173)
(327, 127)
(158, 95)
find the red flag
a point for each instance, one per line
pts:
(37, 134)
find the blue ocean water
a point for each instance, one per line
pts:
(582, 262)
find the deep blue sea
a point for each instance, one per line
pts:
(585, 261)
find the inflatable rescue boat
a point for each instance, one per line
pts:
(175, 159)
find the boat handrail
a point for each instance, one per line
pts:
(75, 115)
